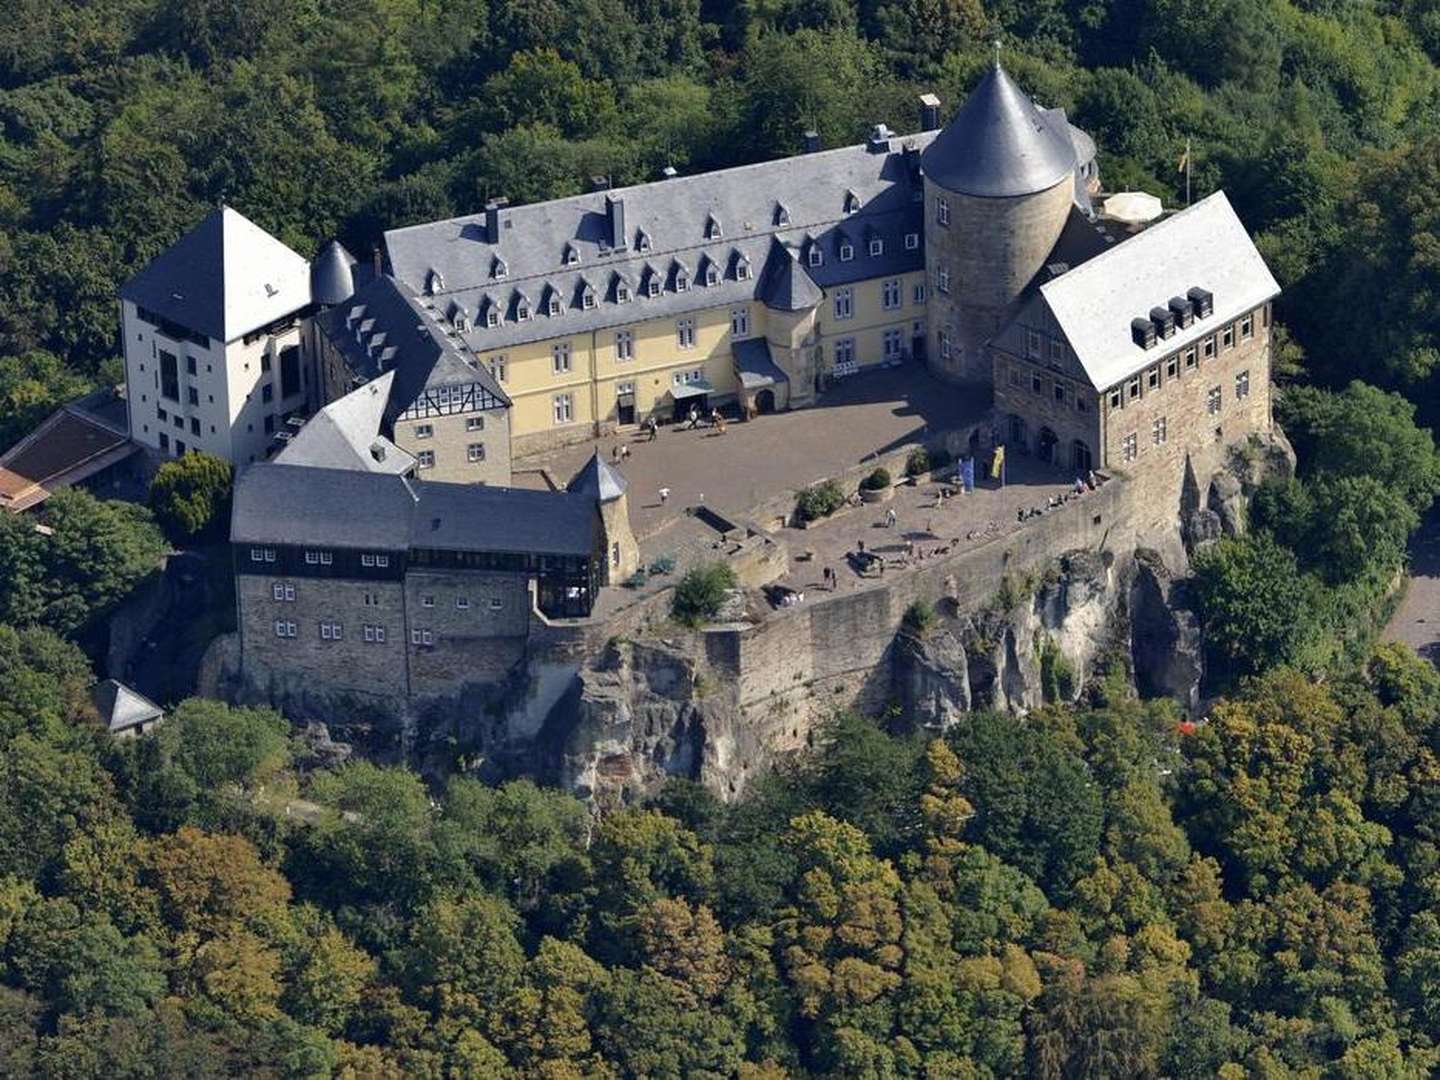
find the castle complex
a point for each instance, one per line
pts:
(402, 389)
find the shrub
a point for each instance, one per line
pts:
(191, 495)
(819, 501)
(701, 592)
(878, 480)
(920, 617)
(918, 463)
(636, 580)
(663, 565)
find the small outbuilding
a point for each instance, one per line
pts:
(124, 712)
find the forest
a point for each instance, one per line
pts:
(1100, 889)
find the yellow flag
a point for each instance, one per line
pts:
(1184, 161)
(997, 464)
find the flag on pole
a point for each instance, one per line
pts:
(967, 474)
(997, 463)
(1184, 162)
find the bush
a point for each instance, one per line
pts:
(878, 480)
(701, 592)
(920, 617)
(636, 580)
(819, 501)
(191, 495)
(918, 463)
(663, 565)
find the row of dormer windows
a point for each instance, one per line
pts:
(1180, 364)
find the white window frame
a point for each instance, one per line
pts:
(912, 241)
(917, 294)
(462, 603)
(847, 252)
(475, 453)
(892, 296)
(563, 408)
(844, 306)
(425, 459)
(1130, 447)
(474, 423)
(561, 358)
(500, 368)
(1159, 431)
(893, 343)
(816, 257)
(685, 332)
(624, 345)
(877, 247)
(742, 270)
(1214, 401)
(740, 322)
(942, 280)
(424, 431)
(942, 211)
(1242, 385)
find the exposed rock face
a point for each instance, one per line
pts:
(1166, 649)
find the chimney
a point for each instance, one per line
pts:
(492, 219)
(375, 259)
(615, 211)
(880, 139)
(929, 112)
(809, 141)
(599, 183)
(669, 172)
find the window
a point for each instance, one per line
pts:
(1227, 338)
(475, 452)
(942, 280)
(912, 241)
(622, 293)
(817, 257)
(1059, 391)
(742, 270)
(1036, 386)
(623, 388)
(918, 293)
(189, 365)
(331, 631)
(1034, 346)
(1130, 447)
(267, 393)
(624, 345)
(474, 423)
(370, 599)
(552, 306)
(1212, 401)
(381, 561)
(564, 408)
(847, 251)
(462, 603)
(1242, 385)
(1116, 399)
(740, 322)
(1157, 431)
(169, 376)
(422, 637)
(1247, 328)
(682, 281)
(283, 591)
(1057, 351)
(522, 311)
(942, 211)
(1207, 348)
(1189, 358)
(269, 424)
(1135, 388)
(893, 348)
(844, 303)
(1014, 375)
(375, 634)
(1171, 365)
(1152, 379)
(572, 256)
(1081, 403)
(492, 316)
(652, 284)
(179, 448)
(265, 362)
(284, 629)
(312, 558)
(560, 357)
(890, 294)
(685, 333)
(194, 425)
(500, 368)
(712, 275)
(424, 431)
(427, 601)
(845, 353)
(426, 459)
(587, 298)
(685, 378)
(496, 603)
(945, 347)
(258, 554)
(642, 242)
(877, 247)
(193, 395)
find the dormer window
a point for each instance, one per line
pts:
(682, 279)
(847, 251)
(622, 293)
(642, 241)
(816, 256)
(587, 298)
(522, 309)
(852, 202)
(498, 269)
(912, 241)
(434, 282)
(572, 255)
(712, 273)
(742, 269)
(712, 228)
(877, 247)
(782, 215)
(552, 302)
(492, 316)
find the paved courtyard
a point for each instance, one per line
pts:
(865, 415)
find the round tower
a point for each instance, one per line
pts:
(332, 275)
(999, 183)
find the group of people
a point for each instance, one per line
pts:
(717, 419)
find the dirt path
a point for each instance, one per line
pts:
(1417, 620)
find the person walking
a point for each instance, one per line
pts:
(890, 518)
(653, 427)
(664, 495)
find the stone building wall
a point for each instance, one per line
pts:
(1028, 389)
(449, 441)
(477, 623)
(992, 249)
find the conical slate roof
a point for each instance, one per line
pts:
(999, 144)
(598, 481)
(332, 275)
(784, 284)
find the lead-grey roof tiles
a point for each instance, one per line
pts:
(673, 213)
(999, 145)
(121, 708)
(332, 275)
(598, 480)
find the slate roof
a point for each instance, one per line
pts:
(299, 505)
(332, 274)
(386, 327)
(784, 284)
(1205, 245)
(346, 434)
(798, 200)
(121, 708)
(598, 481)
(1000, 145)
(754, 364)
(223, 278)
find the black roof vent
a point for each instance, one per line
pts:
(809, 141)
(1183, 310)
(1164, 321)
(880, 139)
(1204, 302)
(1143, 332)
